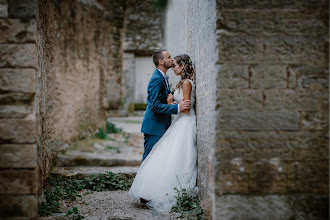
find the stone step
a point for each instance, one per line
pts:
(101, 159)
(82, 172)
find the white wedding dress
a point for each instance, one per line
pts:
(171, 163)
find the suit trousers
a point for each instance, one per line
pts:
(149, 142)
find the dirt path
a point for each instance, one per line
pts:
(115, 205)
(120, 153)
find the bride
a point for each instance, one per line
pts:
(172, 161)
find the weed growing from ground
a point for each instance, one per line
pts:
(108, 181)
(111, 128)
(67, 189)
(101, 133)
(188, 204)
(74, 214)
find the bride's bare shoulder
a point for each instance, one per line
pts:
(187, 84)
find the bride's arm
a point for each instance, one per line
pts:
(186, 89)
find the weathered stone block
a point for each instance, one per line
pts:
(18, 31)
(268, 176)
(18, 130)
(309, 77)
(271, 23)
(22, 9)
(285, 146)
(296, 141)
(18, 55)
(240, 50)
(18, 182)
(270, 50)
(232, 177)
(3, 9)
(277, 207)
(254, 121)
(299, 99)
(309, 176)
(268, 76)
(15, 111)
(16, 97)
(233, 76)
(228, 153)
(268, 4)
(315, 120)
(19, 206)
(18, 156)
(239, 99)
(18, 80)
(294, 50)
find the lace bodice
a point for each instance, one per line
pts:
(178, 94)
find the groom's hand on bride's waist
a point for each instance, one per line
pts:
(184, 105)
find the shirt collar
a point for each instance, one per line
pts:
(161, 72)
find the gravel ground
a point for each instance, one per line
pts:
(115, 205)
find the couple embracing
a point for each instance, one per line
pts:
(169, 159)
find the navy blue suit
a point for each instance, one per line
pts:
(157, 118)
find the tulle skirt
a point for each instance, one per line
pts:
(171, 164)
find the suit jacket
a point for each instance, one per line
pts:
(158, 113)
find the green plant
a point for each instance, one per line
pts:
(111, 128)
(51, 203)
(108, 181)
(188, 204)
(68, 189)
(74, 213)
(101, 133)
(59, 189)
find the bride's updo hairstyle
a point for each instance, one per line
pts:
(188, 69)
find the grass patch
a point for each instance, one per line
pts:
(101, 133)
(111, 128)
(66, 189)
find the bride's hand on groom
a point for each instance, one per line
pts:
(170, 99)
(184, 105)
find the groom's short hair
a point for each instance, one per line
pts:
(158, 54)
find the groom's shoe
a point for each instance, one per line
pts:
(142, 200)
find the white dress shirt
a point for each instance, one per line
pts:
(168, 85)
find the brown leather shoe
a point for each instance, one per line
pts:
(142, 200)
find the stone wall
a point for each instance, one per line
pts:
(18, 73)
(80, 72)
(143, 33)
(200, 40)
(143, 27)
(272, 110)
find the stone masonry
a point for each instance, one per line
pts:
(79, 72)
(200, 40)
(261, 82)
(18, 133)
(272, 110)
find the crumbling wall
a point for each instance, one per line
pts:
(18, 133)
(76, 46)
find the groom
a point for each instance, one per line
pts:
(158, 114)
